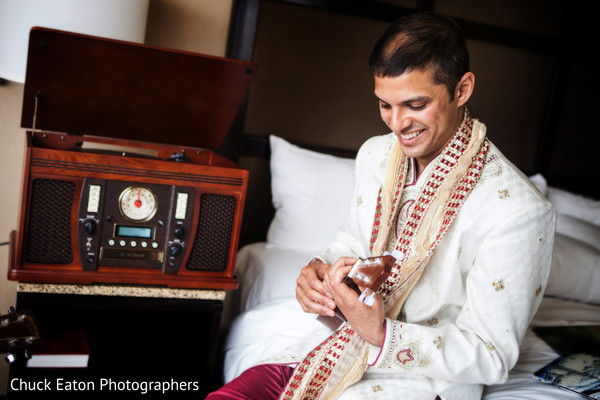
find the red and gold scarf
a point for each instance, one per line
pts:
(341, 359)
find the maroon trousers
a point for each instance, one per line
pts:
(263, 382)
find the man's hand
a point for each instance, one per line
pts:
(310, 292)
(368, 321)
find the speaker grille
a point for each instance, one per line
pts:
(49, 226)
(211, 246)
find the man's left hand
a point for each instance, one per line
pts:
(368, 321)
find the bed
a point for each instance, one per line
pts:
(312, 189)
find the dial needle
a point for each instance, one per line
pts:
(138, 203)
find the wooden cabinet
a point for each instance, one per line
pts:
(142, 341)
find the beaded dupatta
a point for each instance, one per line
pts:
(341, 359)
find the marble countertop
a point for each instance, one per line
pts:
(121, 290)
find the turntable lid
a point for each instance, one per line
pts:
(94, 86)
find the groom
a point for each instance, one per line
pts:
(475, 235)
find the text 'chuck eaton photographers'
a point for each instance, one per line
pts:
(66, 385)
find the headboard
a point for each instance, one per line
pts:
(313, 87)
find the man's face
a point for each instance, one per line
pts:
(419, 112)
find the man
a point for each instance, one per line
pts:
(475, 239)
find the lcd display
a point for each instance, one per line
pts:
(142, 232)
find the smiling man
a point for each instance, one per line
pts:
(475, 237)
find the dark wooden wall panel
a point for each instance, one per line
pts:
(534, 85)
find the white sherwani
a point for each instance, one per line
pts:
(462, 325)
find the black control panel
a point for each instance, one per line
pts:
(134, 225)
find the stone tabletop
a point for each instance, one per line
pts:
(121, 290)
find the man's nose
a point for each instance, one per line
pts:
(399, 121)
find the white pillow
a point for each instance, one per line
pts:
(311, 195)
(578, 229)
(540, 182)
(575, 272)
(575, 205)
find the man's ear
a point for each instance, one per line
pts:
(464, 89)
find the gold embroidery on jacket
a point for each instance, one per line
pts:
(498, 285)
(504, 194)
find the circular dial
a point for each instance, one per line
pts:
(138, 203)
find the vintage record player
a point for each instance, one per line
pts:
(122, 181)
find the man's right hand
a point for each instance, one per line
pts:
(311, 293)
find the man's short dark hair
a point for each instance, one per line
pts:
(419, 41)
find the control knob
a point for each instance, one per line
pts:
(179, 232)
(90, 226)
(175, 249)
